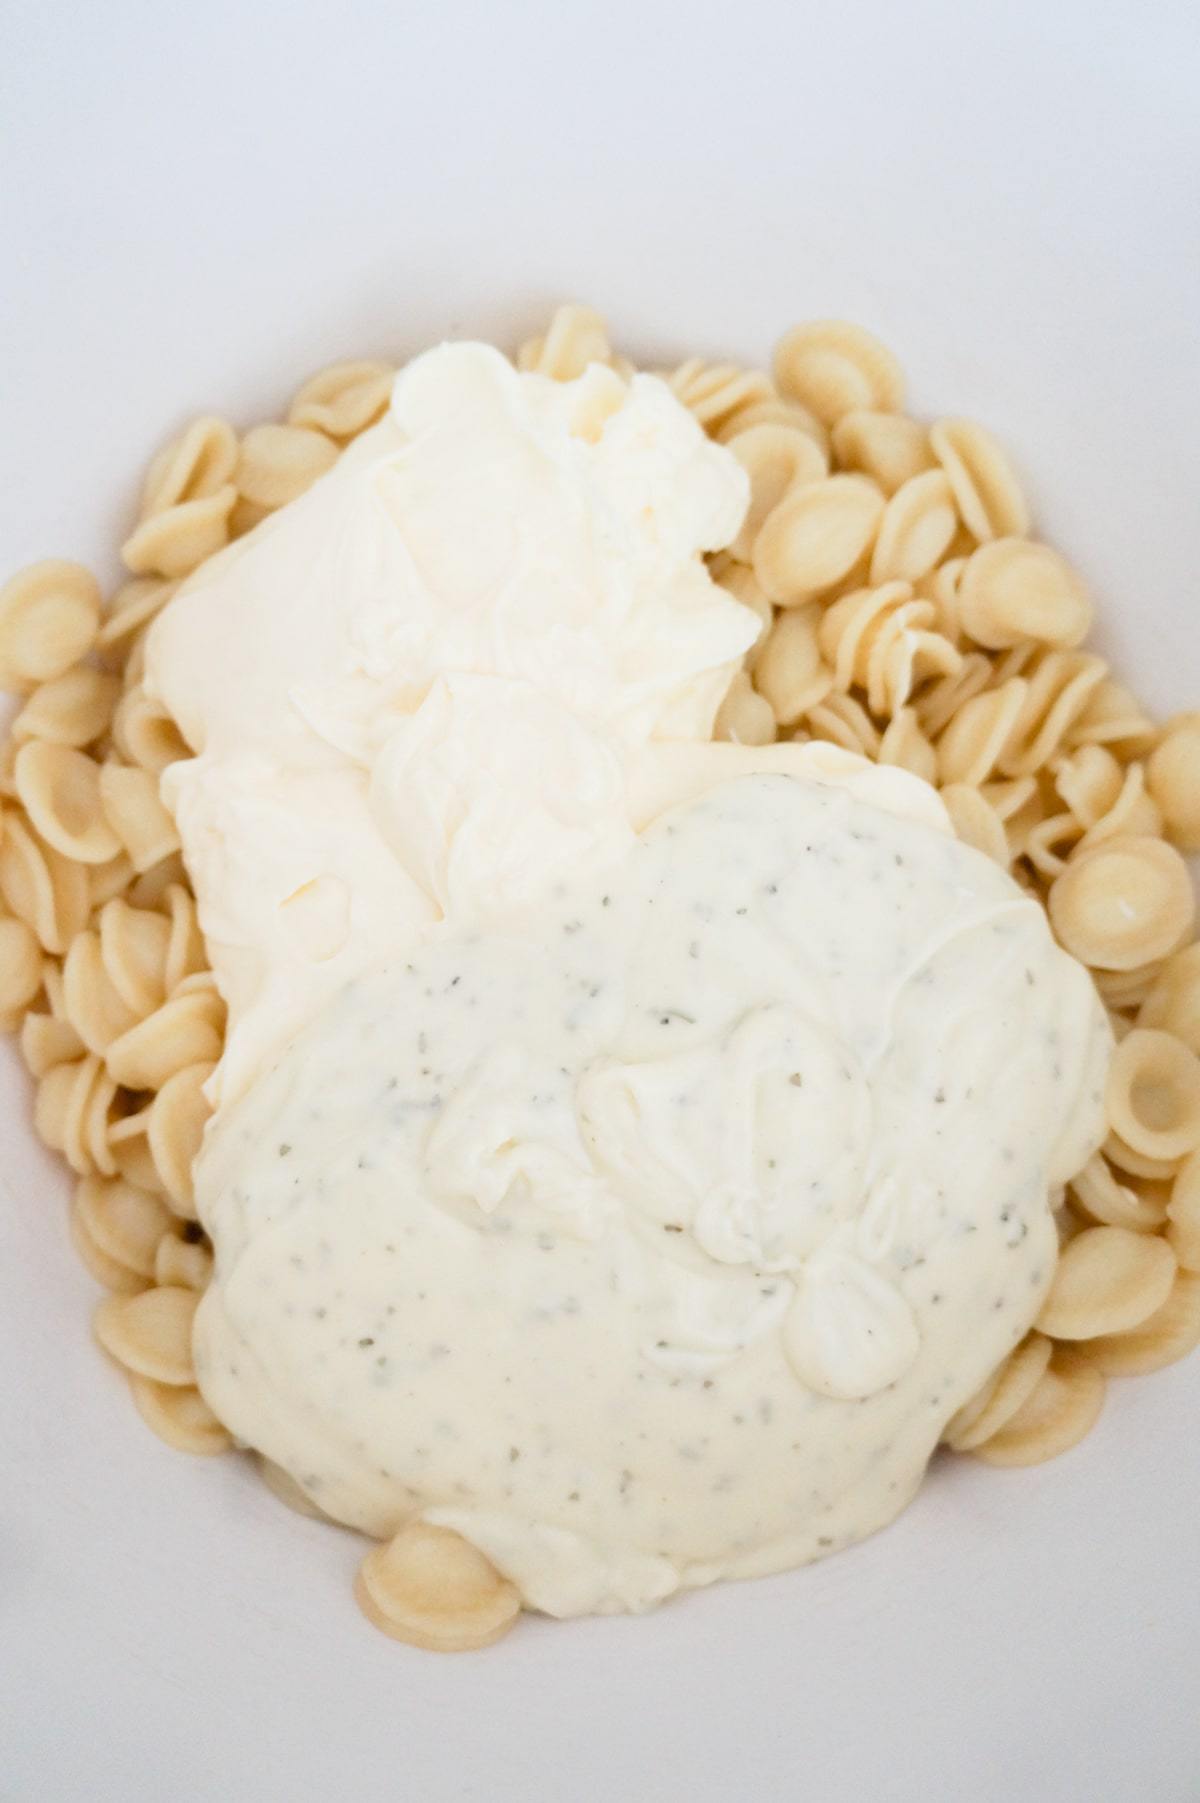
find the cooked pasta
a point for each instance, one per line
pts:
(884, 641)
(343, 399)
(915, 529)
(986, 491)
(1123, 902)
(429, 1587)
(889, 447)
(816, 536)
(1013, 590)
(835, 368)
(904, 613)
(1173, 775)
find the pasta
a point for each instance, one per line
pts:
(816, 536)
(343, 399)
(1153, 1097)
(904, 613)
(1012, 591)
(277, 463)
(777, 459)
(985, 488)
(1173, 775)
(916, 526)
(71, 709)
(49, 616)
(834, 368)
(431, 1588)
(883, 640)
(151, 1333)
(889, 447)
(575, 337)
(789, 671)
(1123, 902)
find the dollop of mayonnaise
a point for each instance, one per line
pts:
(630, 1150)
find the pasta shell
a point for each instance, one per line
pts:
(816, 536)
(1113, 1204)
(891, 448)
(986, 490)
(179, 1415)
(430, 1588)
(1123, 903)
(789, 672)
(1108, 1279)
(21, 965)
(918, 524)
(835, 368)
(1173, 1000)
(1165, 1337)
(188, 1263)
(744, 717)
(136, 814)
(60, 791)
(1153, 1094)
(343, 399)
(1173, 775)
(1005, 1393)
(1014, 590)
(150, 1334)
(277, 464)
(199, 463)
(46, 890)
(575, 337)
(73, 709)
(108, 1272)
(1061, 1411)
(125, 1223)
(185, 1030)
(94, 1007)
(1183, 1214)
(777, 459)
(178, 1117)
(49, 616)
(175, 541)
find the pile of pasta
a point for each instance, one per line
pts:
(905, 612)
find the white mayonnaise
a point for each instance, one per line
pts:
(631, 1150)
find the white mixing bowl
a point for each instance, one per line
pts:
(200, 206)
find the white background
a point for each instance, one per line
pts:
(199, 205)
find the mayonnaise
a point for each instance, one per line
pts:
(630, 1150)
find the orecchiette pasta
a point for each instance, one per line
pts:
(276, 464)
(178, 1115)
(151, 1333)
(1167, 1335)
(108, 1272)
(182, 1261)
(94, 1006)
(125, 1223)
(815, 536)
(884, 641)
(49, 616)
(744, 717)
(185, 1030)
(889, 447)
(719, 393)
(777, 460)
(145, 734)
(1013, 590)
(136, 814)
(1006, 1392)
(835, 368)
(916, 526)
(198, 463)
(1061, 1409)
(1153, 1096)
(905, 746)
(72, 709)
(789, 671)
(970, 746)
(173, 542)
(178, 1414)
(575, 337)
(60, 791)
(343, 399)
(842, 720)
(429, 1587)
(132, 609)
(986, 491)
(1116, 718)
(1108, 1279)
(46, 890)
(975, 821)
(1173, 774)
(1173, 999)
(1113, 1204)
(1183, 1214)
(20, 965)
(1124, 902)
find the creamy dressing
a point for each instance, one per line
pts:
(629, 1150)
(653, 1235)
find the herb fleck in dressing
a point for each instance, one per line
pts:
(652, 1235)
